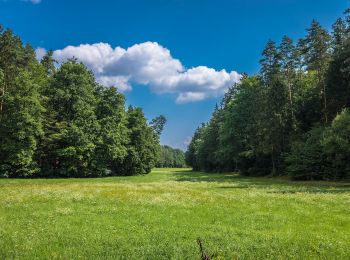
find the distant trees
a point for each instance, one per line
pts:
(291, 118)
(191, 156)
(171, 158)
(59, 122)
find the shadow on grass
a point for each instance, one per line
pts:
(204, 177)
(233, 187)
(283, 185)
(321, 190)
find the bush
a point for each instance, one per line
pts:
(336, 145)
(306, 161)
(324, 154)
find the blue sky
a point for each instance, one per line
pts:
(174, 57)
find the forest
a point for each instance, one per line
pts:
(86, 175)
(171, 158)
(59, 122)
(292, 118)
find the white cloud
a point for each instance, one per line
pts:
(149, 64)
(185, 97)
(40, 53)
(187, 141)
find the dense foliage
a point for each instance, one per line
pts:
(171, 158)
(291, 118)
(59, 122)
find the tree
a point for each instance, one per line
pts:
(270, 62)
(158, 124)
(276, 97)
(324, 153)
(49, 63)
(20, 128)
(20, 107)
(277, 121)
(2, 90)
(191, 154)
(317, 54)
(71, 135)
(171, 158)
(61, 123)
(336, 145)
(338, 33)
(143, 147)
(306, 160)
(11, 57)
(299, 56)
(242, 131)
(289, 66)
(111, 150)
(207, 155)
(347, 20)
(338, 80)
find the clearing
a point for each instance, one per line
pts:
(161, 216)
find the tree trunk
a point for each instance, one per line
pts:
(273, 160)
(323, 94)
(291, 103)
(325, 103)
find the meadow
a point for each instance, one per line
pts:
(161, 215)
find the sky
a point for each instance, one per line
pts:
(171, 57)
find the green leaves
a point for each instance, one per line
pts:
(61, 123)
(143, 146)
(271, 124)
(21, 126)
(171, 158)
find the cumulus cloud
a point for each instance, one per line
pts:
(40, 53)
(149, 64)
(185, 97)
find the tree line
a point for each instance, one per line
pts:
(171, 158)
(57, 121)
(292, 118)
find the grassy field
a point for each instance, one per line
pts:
(161, 215)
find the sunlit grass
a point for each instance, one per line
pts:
(161, 215)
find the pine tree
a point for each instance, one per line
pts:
(338, 80)
(270, 62)
(347, 21)
(49, 63)
(289, 67)
(277, 121)
(317, 55)
(338, 33)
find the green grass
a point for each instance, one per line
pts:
(161, 215)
